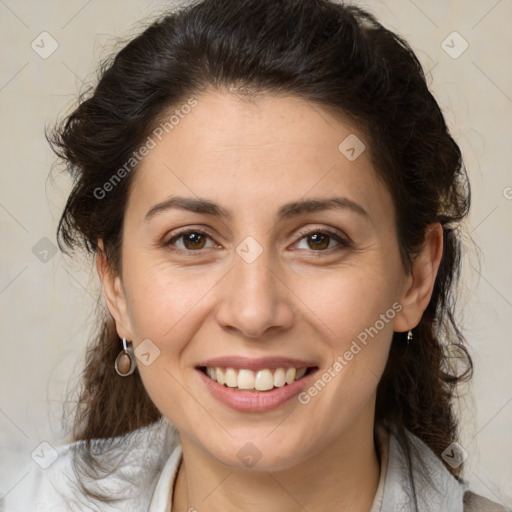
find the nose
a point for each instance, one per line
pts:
(255, 298)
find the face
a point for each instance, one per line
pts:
(260, 279)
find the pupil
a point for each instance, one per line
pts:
(193, 239)
(323, 238)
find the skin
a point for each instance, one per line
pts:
(294, 300)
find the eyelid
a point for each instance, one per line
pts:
(185, 231)
(330, 231)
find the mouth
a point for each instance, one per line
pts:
(256, 380)
(255, 384)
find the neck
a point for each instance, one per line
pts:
(341, 477)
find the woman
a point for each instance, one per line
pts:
(273, 202)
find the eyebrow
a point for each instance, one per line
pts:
(291, 209)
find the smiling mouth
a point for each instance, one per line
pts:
(265, 379)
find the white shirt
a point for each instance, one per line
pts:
(152, 456)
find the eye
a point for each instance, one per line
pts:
(193, 240)
(323, 241)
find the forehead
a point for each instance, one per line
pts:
(249, 151)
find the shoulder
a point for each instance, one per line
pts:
(434, 488)
(476, 503)
(38, 488)
(132, 463)
(471, 502)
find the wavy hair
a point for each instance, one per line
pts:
(331, 54)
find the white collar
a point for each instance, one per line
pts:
(162, 497)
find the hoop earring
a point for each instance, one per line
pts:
(125, 361)
(409, 337)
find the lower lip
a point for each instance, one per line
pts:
(256, 401)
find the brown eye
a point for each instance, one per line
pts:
(318, 241)
(192, 241)
(323, 241)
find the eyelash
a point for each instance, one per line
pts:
(343, 243)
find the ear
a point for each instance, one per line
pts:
(114, 294)
(418, 286)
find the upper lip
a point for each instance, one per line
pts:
(256, 363)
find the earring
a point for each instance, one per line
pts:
(409, 337)
(125, 361)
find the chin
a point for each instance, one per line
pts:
(258, 452)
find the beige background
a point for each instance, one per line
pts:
(46, 308)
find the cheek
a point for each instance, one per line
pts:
(161, 298)
(352, 298)
(163, 305)
(355, 310)
(356, 317)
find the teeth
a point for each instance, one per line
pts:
(219, 374)
(231, 378)
(245, 379)
(262, 380)
(279, 377)
(290, 375)
(300, 373)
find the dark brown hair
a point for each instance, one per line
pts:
(335, 55)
